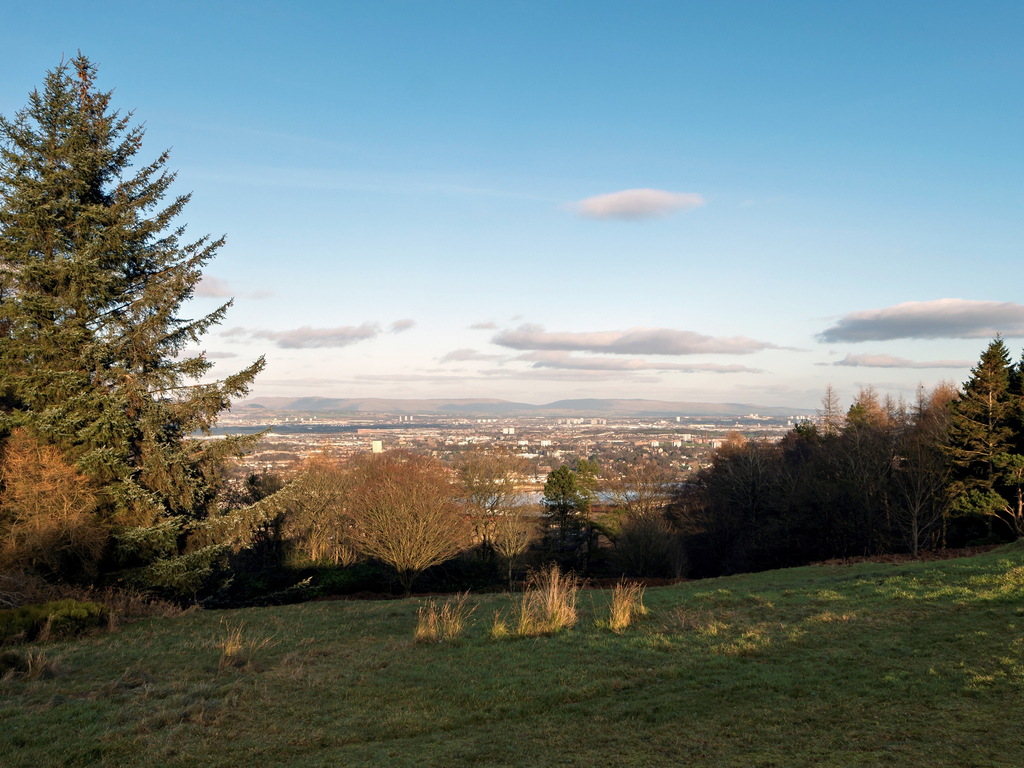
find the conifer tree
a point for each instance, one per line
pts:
(93, 275)
(982, 436)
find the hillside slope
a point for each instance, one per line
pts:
(870, 664)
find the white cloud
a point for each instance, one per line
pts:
(488, 326)
(888, 361)
(637, 204)
(207, 355)
(939, 319)
(212, 288)
(401, 325)
(307, 337)
(462, 355)
(634, 341)
(564, 361)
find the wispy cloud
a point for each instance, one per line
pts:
(307, 337)
(562, 374)
(565, 361)
(634, 341)
(210, 287)
(401, 325)
(939, 319)
(207, 355)
(633, 204)
(888, 361)
(483, 326)
(462, 355)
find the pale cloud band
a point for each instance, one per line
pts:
(564, 361)
(888, 361)
(633, 204)
(939, 319)
(307, 337)
(401, 325)
(212, 288)
(634, 341)
(465, 354)
(215, 288)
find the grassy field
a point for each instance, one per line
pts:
(860, 665)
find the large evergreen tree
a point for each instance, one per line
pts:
(983, 438)
(93, 276)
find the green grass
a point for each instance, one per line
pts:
(863, 665)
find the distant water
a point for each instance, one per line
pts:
(307, 428)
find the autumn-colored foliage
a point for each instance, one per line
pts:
(47, 511)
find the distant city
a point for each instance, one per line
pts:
(297, 428)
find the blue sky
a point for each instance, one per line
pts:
(824, 184)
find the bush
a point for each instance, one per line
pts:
(61, 618)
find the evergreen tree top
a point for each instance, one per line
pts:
(93, 276)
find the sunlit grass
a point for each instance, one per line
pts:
(861, 665)
(447, 621)
(627, 606)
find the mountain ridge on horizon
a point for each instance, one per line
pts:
(495, 406)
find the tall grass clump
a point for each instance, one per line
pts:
(447, 621)
(547, 606)
(235, 649)
(627, 606)
(25, 666)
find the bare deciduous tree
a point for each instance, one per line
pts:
(489, 491)
(642, 488)
(645, 542)
(404, 513)
(513, 532)
(922, 469)
(829, 417)
(318, 520)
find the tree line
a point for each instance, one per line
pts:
(946, 470)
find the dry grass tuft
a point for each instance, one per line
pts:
(26, 666)
(235, 650)
(499, 629)
(445, 622)
(547, 606)
(627, 606)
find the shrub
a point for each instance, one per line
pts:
(446, 622)
(61, 618)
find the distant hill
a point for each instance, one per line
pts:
(493, 407)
